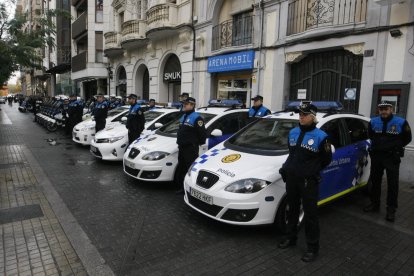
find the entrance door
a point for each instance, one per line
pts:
(174, 91)
(145, 85)
(327, 76)
(235, 89)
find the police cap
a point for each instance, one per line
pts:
(152, 100)
(190, 100)
(99, 95)
(132, 96)
(385, 104)
(185, 95)
(257, 97)
(307, 108)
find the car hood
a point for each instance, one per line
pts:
(232, 165)
(87, 123)
(112, 130)
(155, 142)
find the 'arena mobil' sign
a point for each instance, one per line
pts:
(232, 62)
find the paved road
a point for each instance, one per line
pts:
(144, 228)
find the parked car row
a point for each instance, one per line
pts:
(235, 180)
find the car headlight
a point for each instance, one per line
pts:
(155, 155)
(114, 139)
(247, 186)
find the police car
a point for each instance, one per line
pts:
(154, 157)
(237, 182)
(111, 142)
(84, 132)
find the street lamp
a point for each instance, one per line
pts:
(110, 75)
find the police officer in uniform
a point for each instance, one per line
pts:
(100, 112)
(183, 98)
(75, 112)
(258, 110)
(136, 120)
(389, 135)
(309, 153)
(151, 104)
(191, 134)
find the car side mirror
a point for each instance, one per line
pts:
(124, 119)
(158, 125)
(217, 133)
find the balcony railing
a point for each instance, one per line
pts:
(306, 15)
(235, 32)
(63, 54)
(162, 15)
(79, 61)
(80, 25)
(132, 29)
(111, 40)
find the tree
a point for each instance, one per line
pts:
(20, 39)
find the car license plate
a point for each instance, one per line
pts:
(94, 149)
(129, 164)
(201, 196)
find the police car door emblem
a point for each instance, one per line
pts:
(200, 123)
(231, 158)
(310, 142)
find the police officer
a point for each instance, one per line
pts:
(100, 112)
(389, 135)
(183, 98)
(258, 110)
(75, 112)
(151, 104)
(309, 153)
(191, 134)
(136, 120)
(112, 102)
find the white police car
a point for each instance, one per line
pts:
(154, 157)
(84, 132)
(111, 142)
(238, 181)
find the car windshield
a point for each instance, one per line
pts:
(172, 128)
(264, 135)
(115, 111)
(151, 115)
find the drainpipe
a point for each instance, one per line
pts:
(261, 5)
(194, 44)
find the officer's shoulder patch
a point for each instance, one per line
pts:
(200, 122)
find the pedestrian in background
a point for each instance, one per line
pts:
(258, 110)
(389, 135)
(309, 153)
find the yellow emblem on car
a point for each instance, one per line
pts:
(231, 158)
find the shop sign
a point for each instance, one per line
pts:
(301, 94)
(232, 62)
(172, 76)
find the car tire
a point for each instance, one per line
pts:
(51, 127)
(281, 216)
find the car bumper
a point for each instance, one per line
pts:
(82, 137)
(109, 151)
(162, 170)
(233, 208)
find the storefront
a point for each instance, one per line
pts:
(172, 78)
(232, 75)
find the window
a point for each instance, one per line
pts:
(357, 129)
(228, 124)
(99, 11)
(335, 133)
(99, 47)
(242, 29)
(120, 20)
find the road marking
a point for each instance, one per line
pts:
(4, 119)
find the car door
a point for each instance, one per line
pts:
(359, 169)
(228, 124)
(335, 177)
(165, 119)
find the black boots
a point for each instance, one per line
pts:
(286, 243)
(390, 216)
(309, 256)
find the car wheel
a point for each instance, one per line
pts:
(51, 127)
(282, 215)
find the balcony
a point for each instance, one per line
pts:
(80, 25)
(112, 45)
(305, 15)
(161, 20)
(79, 61)
(235, 32)
(133, 34)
